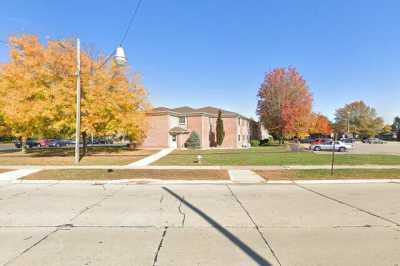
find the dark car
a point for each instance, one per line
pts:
(58, 143)
(30, 143)
(348, 140)
(97, 141)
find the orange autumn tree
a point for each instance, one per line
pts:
(320, 125)
(285, 103)
(37, 92)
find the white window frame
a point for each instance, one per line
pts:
(184, 120)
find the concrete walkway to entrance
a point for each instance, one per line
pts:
(151, 159)
(14, 175)
(245, 176)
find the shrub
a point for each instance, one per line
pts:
(255, 143)
(264, 142)
(193, 142)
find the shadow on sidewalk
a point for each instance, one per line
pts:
(239, 243)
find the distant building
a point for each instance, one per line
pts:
(258, 131)
(171, 127)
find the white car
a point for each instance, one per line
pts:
(328, 146)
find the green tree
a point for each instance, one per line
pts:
(193, 142)
(396, 126)
(359, 119)
(220, 129)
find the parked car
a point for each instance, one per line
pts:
(30, 143)
(348, 140)
(43, 143)
(320, 141)
(58, 143)
(374, 141)
(330, 145)
(99, 141)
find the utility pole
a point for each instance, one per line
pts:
(78, 100)
(333, 152)
(348, 123)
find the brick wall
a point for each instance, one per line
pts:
(157, 134)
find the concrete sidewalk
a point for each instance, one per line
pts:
(245, 176)
(15, 175)
(213, 225)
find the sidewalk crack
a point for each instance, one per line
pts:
(160, 246)
(181, 212)
(255, 225)
(87, 208)
(31, 247)
(348, 205)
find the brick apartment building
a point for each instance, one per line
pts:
(172, 127)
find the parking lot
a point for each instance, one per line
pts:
(78, 224)
(386, 148)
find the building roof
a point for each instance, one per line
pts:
(178, 130)
(161, 109)
(183, 109)
(214, 111)
(187, 110)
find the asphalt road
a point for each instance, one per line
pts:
(77, 224)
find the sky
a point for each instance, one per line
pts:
(202, 53)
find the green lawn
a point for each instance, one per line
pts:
(326, 174)
(274, 155)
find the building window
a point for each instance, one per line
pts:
(239, 121)
(182, 120)
(238, 137)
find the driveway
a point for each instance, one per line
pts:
(78, 224)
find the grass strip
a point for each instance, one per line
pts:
(94, 174)
(319, 174)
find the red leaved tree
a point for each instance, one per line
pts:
(285, 103)
(320, 125)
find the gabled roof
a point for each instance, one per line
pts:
(178, 130)
(187, 111)
(183, 109)
(161, 109)
(214, 111)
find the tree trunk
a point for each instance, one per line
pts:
(23, 144)
(132, 146)
(84, 140)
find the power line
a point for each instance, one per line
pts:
(130, 23)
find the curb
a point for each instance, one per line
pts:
(211, 182)
(124, 182)
(335, 181)
(199, 167)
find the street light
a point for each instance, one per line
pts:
(119, 56)
(119, 59)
